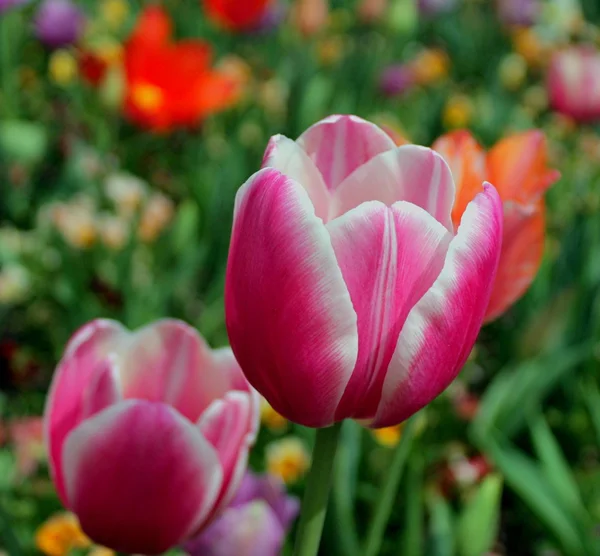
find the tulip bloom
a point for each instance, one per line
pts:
(348, 292)
(235, 15)
(148, 432)
(517, 166)
(574, 83)
(59, 23)
(171, 84)
(254, 524)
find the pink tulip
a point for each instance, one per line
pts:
(148, 432)
(574, 83)
(348, 293)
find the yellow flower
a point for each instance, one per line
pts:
(430, 66)
(62, 67)
(113, 231)
(101, 551)
(114, 12)
(60, 534)
(109, 50)
(330, 50)
(288, 459)
(388, 436)
(458, 112)
(513, 71)
(270, 418)
(158, 212)
(126, 192)
(77, 225)
(528, 44)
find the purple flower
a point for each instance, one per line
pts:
(58, 23)
(434, 7)
(6, 5)
(254, 524)
(271, 19)
(519, 12)
(396, 80)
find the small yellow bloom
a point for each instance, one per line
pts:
(270, 418)
(114, 12)
(76, 224)
(430, 66)
(528, 44)
(388, 436)
(458, 112)
(109, 50)
(113, 231)
(158, 212)
(101, 551)
(513, 71)
(330, 50)
(288, 459)
(62, 67)
(60, 534)
(126, 191)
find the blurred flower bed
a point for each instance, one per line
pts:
(126, 129)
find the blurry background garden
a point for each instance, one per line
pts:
(116, 201)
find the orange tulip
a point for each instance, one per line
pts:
(517, 167)
(169, 83)
(236, 15)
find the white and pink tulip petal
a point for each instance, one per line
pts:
(389, 256)
(289, 158)
(140, 477)
(289, 315)
(441, 329)
(409, 173)
(338, 145)
(64, 405)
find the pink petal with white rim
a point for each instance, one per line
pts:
(230, 425)
(168, 361)
(287, 156)
(410, 173)
(389, 256)
(103, 390)
(64, 405)
(441, 329)
(339, 144)
(289, 315)
(140, 477)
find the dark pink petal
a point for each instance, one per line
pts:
(408, 173)
(140, 477)
(289, 158)
(338, 145)
(440, 331)
(80, 363)
(288, 311)
(389, 256)
(168, 361)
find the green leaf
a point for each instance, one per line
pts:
(479, 520)
(530, 483)
(555, 467)
(441, 525)
(505, 404)
(24, 142)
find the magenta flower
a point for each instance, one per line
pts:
(59, 23)
(348, 292)
(574, 83)
(519, 12)
(148, 432)
(254, 524)
(396, 80)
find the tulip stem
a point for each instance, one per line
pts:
(316, 495)
(389, 488)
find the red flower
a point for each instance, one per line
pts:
(236, 15)
(171, 84)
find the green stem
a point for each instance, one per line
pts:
(314, 504)
(8, 22)
(388, 491)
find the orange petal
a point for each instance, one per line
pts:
(153, 27)
(521, 256)
(517, 167)
(216, 92)
(466, 159)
